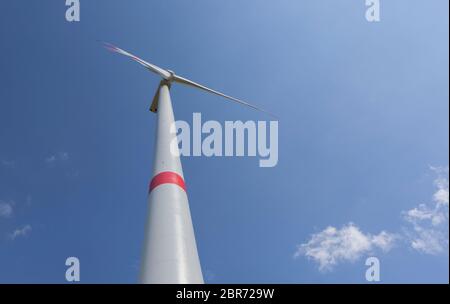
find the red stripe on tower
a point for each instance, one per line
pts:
(167, 178)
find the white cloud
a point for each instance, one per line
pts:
(20, 232)
(441, 195)
(430, 222)
(61, 156)
(385, 240)
(332, 246)
(429, 241)
(50, 159)
(429, 233)
(6, 209)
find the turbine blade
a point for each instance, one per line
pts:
(191, 83)
(155, 69)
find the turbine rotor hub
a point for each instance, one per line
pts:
(172, 74)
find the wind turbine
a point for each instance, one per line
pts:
(170, 251)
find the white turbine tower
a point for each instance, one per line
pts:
(170, 251)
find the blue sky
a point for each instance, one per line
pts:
(363, 116)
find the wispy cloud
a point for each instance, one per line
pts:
(348, 244)
(21, 232)
(61, 156)
(210, 276)
(29, 200)
(8, 163)
(429, 233)
(430, 221)
(6, 209)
